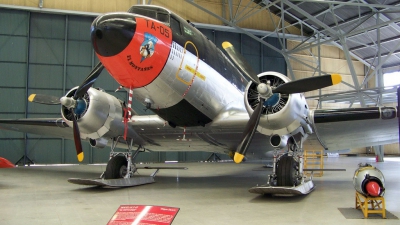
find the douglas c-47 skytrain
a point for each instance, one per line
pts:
(203, 101)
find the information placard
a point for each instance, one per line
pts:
(143, 214)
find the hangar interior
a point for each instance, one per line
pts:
(49, 51)
(52, 53)
(46, 48)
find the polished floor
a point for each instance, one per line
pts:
(206, 193)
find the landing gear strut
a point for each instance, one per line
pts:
(120, 169)
(287, 176)
(121, 164)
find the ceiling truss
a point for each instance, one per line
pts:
(366, 30)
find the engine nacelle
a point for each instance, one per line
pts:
(368, 180)
(101, 115)
(282, 115)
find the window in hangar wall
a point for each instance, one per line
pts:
(391, 79)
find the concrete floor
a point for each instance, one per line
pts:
(206, 193)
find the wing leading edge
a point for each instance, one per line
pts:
(339, 129)
(55, 127)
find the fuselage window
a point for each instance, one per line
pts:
(176, 26)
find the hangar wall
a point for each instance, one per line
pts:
(333, 61)
(51, 53)
(262, 21)
(332, 58)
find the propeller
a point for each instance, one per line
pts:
(265, 92)
(398, 112)
(76, 104)
(44, 99)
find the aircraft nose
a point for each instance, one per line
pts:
(112, 33)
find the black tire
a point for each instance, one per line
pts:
(286, 171)
(116, 167)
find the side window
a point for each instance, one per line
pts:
(175, 26)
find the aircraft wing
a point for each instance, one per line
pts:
(340, 129)
(55, 127)
(221, 136)
(335, 129)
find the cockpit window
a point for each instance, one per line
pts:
(152, 13)
(144, 12)
(163, 17)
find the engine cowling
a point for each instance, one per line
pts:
(101, 115)
(282, 115)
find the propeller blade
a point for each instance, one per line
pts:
(88, 82)
(248, 133)
(44, 99)
(398, 113)
(240, 62)
(308, 84)
(77, 140)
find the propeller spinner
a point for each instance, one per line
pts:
(266, 93)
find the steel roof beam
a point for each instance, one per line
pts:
(383, 6)
(383, 54)
(373, 44)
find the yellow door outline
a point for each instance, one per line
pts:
(189, 83)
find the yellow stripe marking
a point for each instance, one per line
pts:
(31, 97)
(238, 158)
(193, 71)
(336, 78)
(226, 45)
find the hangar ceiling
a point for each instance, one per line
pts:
(366, 30)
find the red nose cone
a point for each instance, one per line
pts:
(373, 188)
(132, 48)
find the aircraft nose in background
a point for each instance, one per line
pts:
(112, 33)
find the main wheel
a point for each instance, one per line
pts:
(286, 171)
(116, 167)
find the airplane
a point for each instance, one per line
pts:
(203, 100)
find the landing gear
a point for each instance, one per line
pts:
(120, 169)
(287, 176)
(121, 164)
(287, 171)
(116, 168)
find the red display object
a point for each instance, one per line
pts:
(373, 189)
(4, 163)
(143, 214)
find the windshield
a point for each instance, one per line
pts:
(155, 13)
